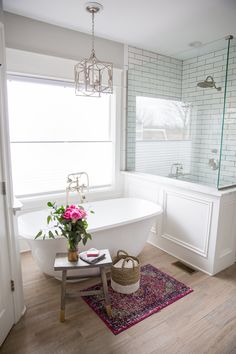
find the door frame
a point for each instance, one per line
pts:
(11, 224)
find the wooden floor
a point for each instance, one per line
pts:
(202, 322)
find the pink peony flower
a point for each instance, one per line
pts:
(72, 206)
(67, 214)
(74, 213)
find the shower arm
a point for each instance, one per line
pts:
(213, 81)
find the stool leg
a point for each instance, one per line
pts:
(63, 296)
(105, 290)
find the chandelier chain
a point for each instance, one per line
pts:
(93, 50)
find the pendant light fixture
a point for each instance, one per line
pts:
(92, 76)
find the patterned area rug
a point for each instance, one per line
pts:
(157, 290)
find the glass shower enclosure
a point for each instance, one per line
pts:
(185, 115)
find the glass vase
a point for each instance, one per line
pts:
(73, 255)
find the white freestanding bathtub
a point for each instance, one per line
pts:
(122, 223)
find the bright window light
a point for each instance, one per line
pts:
(162, 119)
(54, 133)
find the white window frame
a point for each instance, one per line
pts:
(33, 65)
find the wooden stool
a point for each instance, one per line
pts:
(61, 263)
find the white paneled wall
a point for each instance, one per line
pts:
(198, 222)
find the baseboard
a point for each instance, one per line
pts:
(181, 259)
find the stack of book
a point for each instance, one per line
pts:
(92, 256)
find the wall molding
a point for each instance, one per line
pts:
(201, 251)
(229, 203)
(194, 266)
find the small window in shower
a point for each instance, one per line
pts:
(162, 119)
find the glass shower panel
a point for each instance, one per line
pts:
(227, 168)
(175, 110)
(203, 87)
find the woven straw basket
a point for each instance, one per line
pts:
(125, 273)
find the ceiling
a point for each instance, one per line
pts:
(163, 26)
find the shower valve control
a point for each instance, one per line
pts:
(214, 164)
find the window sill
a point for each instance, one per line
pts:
(40, 201)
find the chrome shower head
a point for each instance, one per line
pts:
(208, 83)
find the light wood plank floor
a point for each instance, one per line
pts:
(202, 322)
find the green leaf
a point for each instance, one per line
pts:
(49, 218)
(51, 234)
(50, 205)
(63, 232)
(39, 234)
(92, 212)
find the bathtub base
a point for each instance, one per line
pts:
(130, 238)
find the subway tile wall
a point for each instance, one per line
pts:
(157, 157)
(151, 75)
(207, 111)
(155, 75)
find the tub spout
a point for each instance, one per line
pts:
(176, 170)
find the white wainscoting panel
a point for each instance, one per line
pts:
(198, 225)
(186, 221)
(226, 241)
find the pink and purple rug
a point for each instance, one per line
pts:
(157, 290)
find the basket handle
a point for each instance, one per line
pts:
(118, 253)
(127, 259)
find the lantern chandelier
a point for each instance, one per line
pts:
(92, 76)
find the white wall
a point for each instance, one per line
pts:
(35, 36)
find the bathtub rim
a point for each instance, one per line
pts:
(159, 211)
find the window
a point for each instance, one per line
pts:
(161, 119)
(54, 133)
